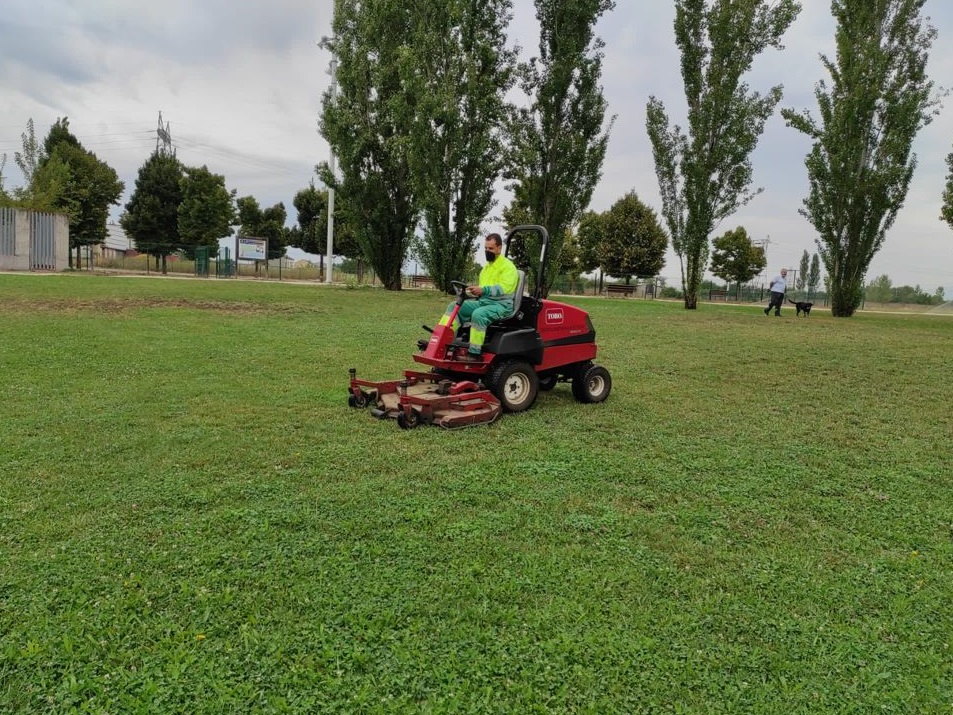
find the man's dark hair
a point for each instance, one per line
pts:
(495, 237)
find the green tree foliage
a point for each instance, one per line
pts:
(151, 218)
(735, 258)
(207, 210)
(32, 156)
(524, 252)
(269, 223)
(369, 124)
(633, 240)
(560, 140)
(860, 166)
(880, 289)
(801, 279)
(45, 181)
(705, 174)
(310, 234)
(74, 181)
(946, 211)
(59, 135)
(5, 198)
(814, 274)
(569, 262)
(459, 71)
(589, 234)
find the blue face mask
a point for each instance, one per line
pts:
(490, 256)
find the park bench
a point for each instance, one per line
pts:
(622, 289)
(718, 295)
(421, 281)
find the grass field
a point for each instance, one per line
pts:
(758, 520)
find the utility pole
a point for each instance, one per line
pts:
(763, 243)
(164, 139)
(333, 71)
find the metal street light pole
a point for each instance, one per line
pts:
(326, 44)
(332, 70)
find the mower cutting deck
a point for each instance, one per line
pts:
(426, 398)
(540, 345)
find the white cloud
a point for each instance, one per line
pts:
(241, 85)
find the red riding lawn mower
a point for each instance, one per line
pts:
(541, 344)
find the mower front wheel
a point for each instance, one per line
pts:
(408, 420)
(591, 383)
(359, 401)
(515, 384)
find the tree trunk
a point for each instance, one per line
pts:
(692, 284)
(845, 298)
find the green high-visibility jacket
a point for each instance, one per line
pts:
(498, 280)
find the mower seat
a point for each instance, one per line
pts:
(518, 297)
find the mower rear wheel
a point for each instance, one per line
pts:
(591, 383)
(515, 384)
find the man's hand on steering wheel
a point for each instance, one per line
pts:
(474, 291)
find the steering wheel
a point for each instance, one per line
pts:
(461, 290)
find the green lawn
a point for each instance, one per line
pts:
(758, 520)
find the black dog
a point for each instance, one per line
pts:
(802, 307)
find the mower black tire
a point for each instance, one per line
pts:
(408, 420)
(515, 384)
(591, 383)
(358, 401)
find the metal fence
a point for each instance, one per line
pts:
(8, 232)
(42, 242)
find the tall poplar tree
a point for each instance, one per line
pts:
(705, 175)
(369, 123)
(560, 140)
(860, 166)
(460, 72)
(814, 275)
(946, 211)
(801, 279)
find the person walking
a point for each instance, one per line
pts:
(779, 284)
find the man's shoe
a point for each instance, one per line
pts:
(777, 315)
(767, 310)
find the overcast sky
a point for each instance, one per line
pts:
(240, 85)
